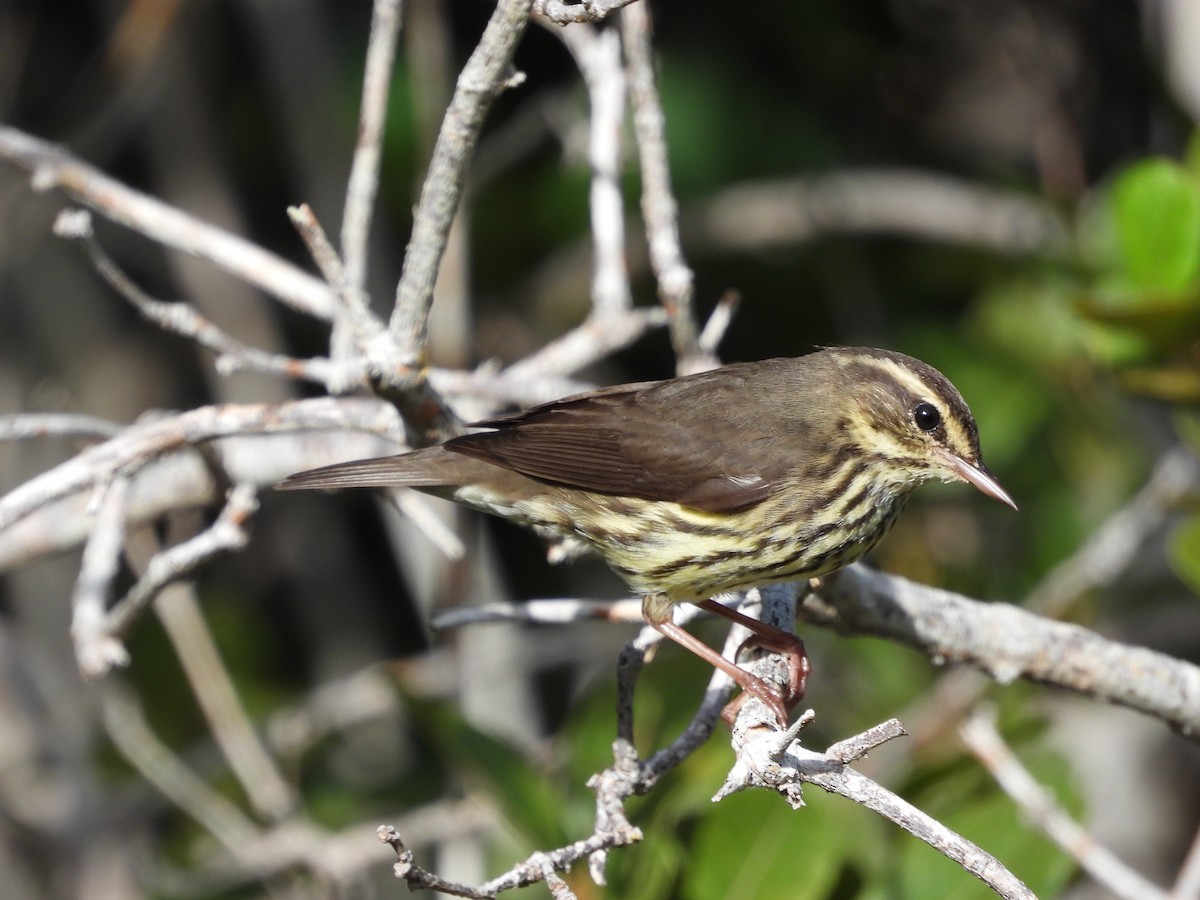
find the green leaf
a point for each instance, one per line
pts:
(1185, 552)
(755, 845)
(1156, 203)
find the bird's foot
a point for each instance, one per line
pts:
(798, 670)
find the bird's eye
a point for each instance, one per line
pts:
(926, 416)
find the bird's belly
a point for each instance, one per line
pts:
(690, 554)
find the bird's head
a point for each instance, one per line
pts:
(908, 413)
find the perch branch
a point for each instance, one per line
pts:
(1008, 643)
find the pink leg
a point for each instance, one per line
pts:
(750, 684)
(771, 638)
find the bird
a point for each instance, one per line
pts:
(752, 474)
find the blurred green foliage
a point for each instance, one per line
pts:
(1081, 364)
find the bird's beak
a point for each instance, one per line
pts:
(976, 474)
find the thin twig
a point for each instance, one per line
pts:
(320, 248)
(53, 167)
(357, 343)
(364, 171)
(759, 215)
(659, 209)
(1117, 544)
(485, 75)
(184, 319)
(145, 441)
(126, 725)
(226, 534)
(860, 745)
(95, 650)
(598, 55)
(595, 339)
(542, 612)
(564, 12)
(1038, 806)
(25, 426)
(416, 508)
(718, 323)
(179, 612)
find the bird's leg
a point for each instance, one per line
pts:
(770, 638)
(656, 610)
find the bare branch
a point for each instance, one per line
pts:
(126, 726)
(53, 167)
(485, 75)
(401, 370)
(364, 171)
(255, 443)
(758, 215)
(854, 786)
(1038, 807)
(1118, 542)
(718, 323)
(762, 762)
(595, 339)
(226, 534)
(179, 612)
(1098, 561)
(563, 12)
(598, 55)
(659, 209)
(182, 318)
(145, 441)
(24, 426)
(96, 650)
(1008, 643)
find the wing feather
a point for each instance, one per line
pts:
(675, 441)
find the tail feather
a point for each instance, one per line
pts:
(420, 469)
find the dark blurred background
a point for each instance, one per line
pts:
(1033, 120)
